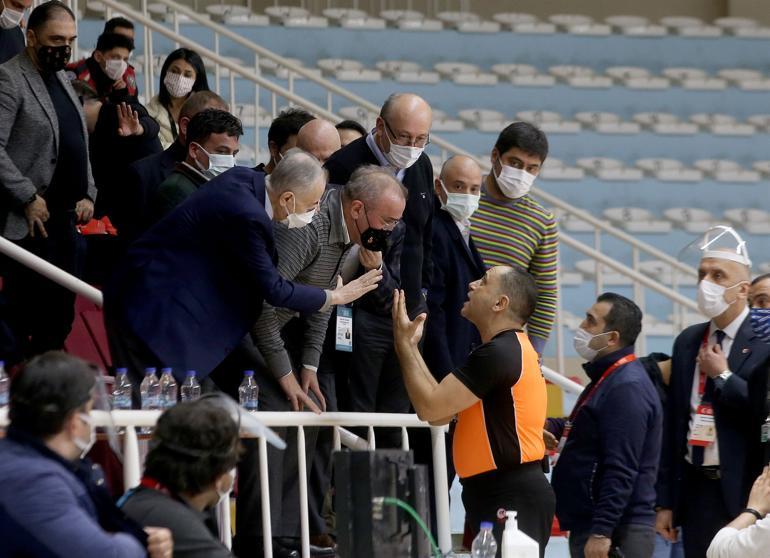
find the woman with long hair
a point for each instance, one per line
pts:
(182, 74)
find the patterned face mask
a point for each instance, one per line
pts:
(53, 58)
(760, 322)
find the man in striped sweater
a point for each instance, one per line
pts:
(311, 254)
(512, 229)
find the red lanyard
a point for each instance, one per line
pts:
(618, 363)
(702, 376)
(149, 482)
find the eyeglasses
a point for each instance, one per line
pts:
(388, 224)
(406, 139)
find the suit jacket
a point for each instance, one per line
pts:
(140, 185)
(29, 140)
(449, 338)
(416, 262)
(192, 286)
(739, 410)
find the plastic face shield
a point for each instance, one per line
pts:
(101, 413)
(248, 424)
(719, 242)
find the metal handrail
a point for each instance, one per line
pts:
(435, 139)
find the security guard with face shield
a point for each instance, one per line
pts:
(711, 449)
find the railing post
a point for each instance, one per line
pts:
(441, 487)
(147, 57)
(599, 269)
(224, 522)
(264, 484)
(559, 322)
(256, 112)
(404, 438)
(639, 299)
(370, 439)
(303, 506)
(132, 469)
(216, 68)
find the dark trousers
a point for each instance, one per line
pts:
(283, 465)
(39, 312)
(634, 541)
(523, 489)
(704, 512)
(375, 381)
(321, 471)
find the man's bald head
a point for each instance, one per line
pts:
(319, 138)
(459, 175)
(405, 120)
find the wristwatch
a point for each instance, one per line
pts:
(725, 375)
(753, 512)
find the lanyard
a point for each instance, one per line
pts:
(582, 403)
(618, 363)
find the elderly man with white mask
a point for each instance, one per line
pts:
(711, 450)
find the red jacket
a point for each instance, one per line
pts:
(89, 71)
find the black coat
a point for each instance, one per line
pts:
(449, 337)
(416, 262)
(739, 410)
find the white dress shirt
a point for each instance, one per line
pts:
(751, 542)
(711, 452)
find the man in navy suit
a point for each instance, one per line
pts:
(449, 338)
(711, 449)
(192, 286)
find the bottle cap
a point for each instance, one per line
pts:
(248, 373)
(191, 373)
(121, 371)
(486, 524)
(148, 371)
(165, 370)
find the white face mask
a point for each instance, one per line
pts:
(218, 163)
(178, 85)
(581, 342)
(298, 220)
(514, 183)
(711, 298)
(114, 69)
(10, 18)
(402, 156)
(460, 206)
(85, 446)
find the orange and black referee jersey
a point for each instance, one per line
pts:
(505, 428)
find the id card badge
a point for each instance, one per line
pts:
(561, 444)
(703, 432)
(344, 332)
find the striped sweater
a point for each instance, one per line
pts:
(522, 233)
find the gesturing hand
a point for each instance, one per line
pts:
(759, 499)
(128, 121)
(310, 384)
(369, 259)
(404, 329)
(357, 288)
(296, 395)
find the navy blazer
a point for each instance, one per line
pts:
(739, 410)
(416, 259)
(449, 338)
(193, 285)
(138, 187)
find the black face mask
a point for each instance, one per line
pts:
(53, 58)
(375, 240)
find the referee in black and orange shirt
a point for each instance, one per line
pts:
(499, 398)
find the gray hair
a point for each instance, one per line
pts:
(369, 183)
(297, 171)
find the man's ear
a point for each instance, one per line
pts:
(183, 122)
(99, 57)
(502, 303)
(614, 338)
(356, 208)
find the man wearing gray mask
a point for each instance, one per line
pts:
(512, 229)
(716, 403)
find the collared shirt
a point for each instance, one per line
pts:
(465, 229)
(711, 452)
(268, 205)
(370, 141)
(311, 255)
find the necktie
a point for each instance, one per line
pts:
(708, 393)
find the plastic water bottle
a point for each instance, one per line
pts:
(168, 389)
(121, 391)
(150, 390)
(484, 545)
(5, 385)
(191, 389)
(248, 392)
